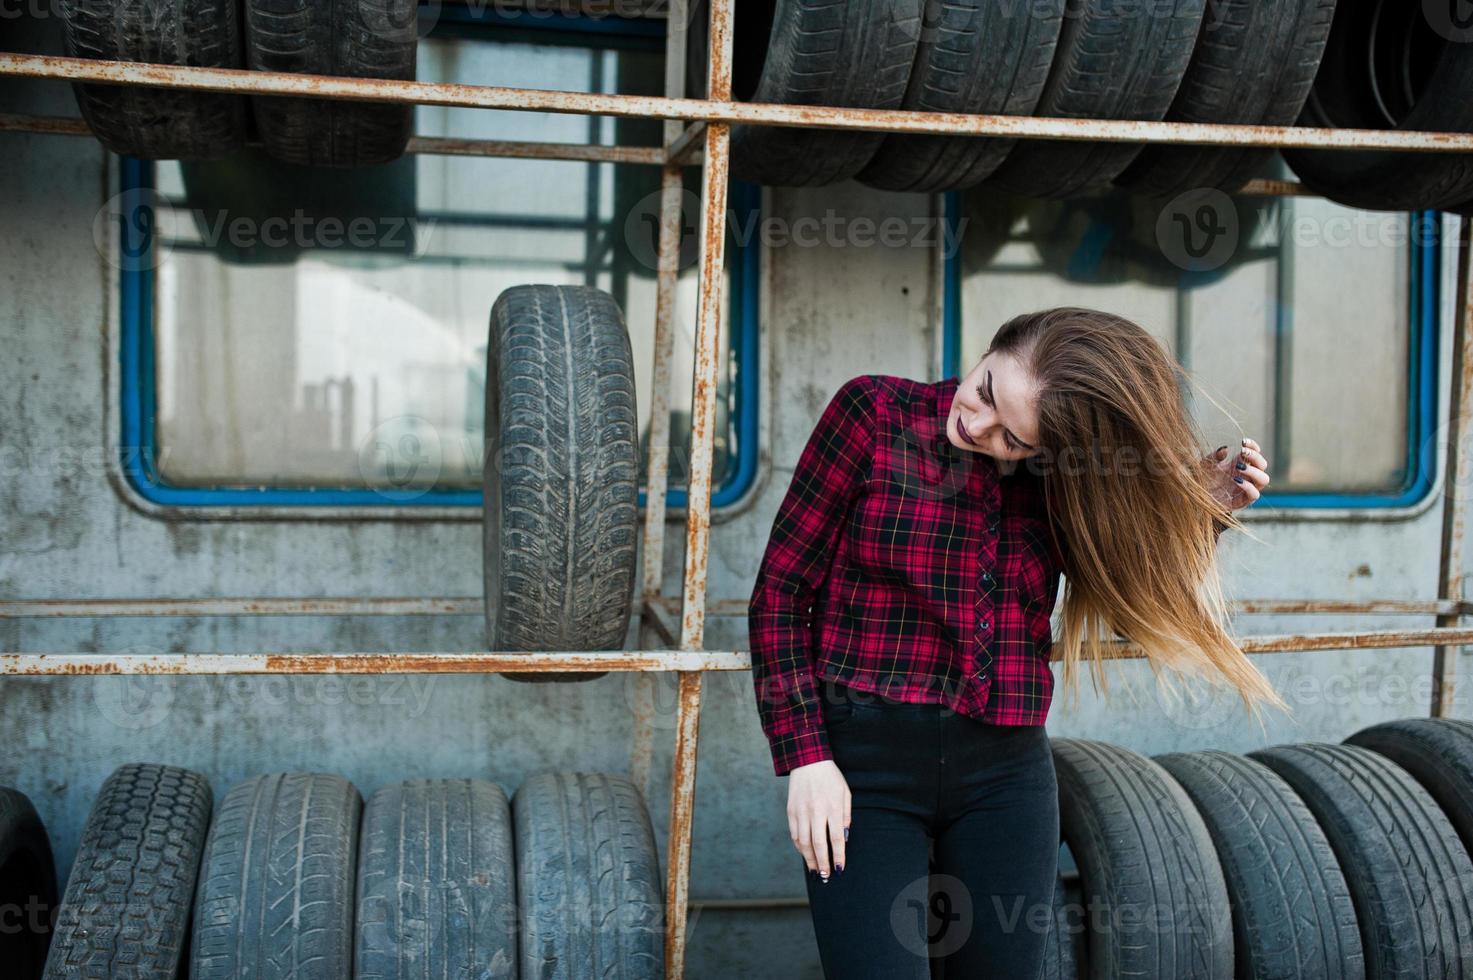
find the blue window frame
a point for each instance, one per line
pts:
(137, 296)
(1424, 275)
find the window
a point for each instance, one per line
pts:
(298, 361)
(1318, 332)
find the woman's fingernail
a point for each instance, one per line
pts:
(1242, 465)
(846, 833)
(1237, 479)
(840, 867)
(1245, 440)
(1218, 450)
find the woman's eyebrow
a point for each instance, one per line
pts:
(993, 398)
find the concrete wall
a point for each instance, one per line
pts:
(830, 313)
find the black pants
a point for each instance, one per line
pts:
(953, 844)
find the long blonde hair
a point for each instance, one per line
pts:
(1125, 479)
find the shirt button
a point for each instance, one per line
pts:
(992, 528)
(985, 624)
(987, 577)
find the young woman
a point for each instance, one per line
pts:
(901, 636)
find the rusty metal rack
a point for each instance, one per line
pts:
(679, 622)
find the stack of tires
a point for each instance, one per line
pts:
(372, 38)
(294, 876)
(1294, 861)
(1374, 64)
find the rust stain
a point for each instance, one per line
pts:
(717, 110)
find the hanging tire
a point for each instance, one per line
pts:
(1427, 90)
(1438, 752)
(126, 908)
(1409, 875)
(27, 886)
(588, 879)
(1142, 848)
(367, 38)
(159, 123)
(809, 52)
(974, 56)
(436, 891)
(1292, 912)
(275, 896)
(1110, 64)
(561, 474)
(1254, 63)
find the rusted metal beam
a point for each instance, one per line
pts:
(427, 145)
(11, 122)
(710, 294)
(1364, 640)
(1455, 497)
(164, 608)
(667, 607)
(245, 81)
(1396, 607)
(409, 662)
(1280, 607)
(1264, 187)
(686, 662)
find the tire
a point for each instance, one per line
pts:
(368, 38)
(1254, 63)
(1064, 957)
(1364, 45)
(157, 123)
(27, 886)
(1409, 875)
(974, 56)
(1141, 848)
(275, 897)
(125, 913)
(588, 879)
(855, 53)
(1438, 752)
(561, 480)
(436, 893)
(1109, 65)
(1292, 912)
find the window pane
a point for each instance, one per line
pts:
(1302, 336)
(304, 365)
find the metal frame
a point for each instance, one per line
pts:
(705, 125)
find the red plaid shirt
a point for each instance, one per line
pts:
(902, 565)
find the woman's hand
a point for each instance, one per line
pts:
(818, 814)
(1242, 475)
